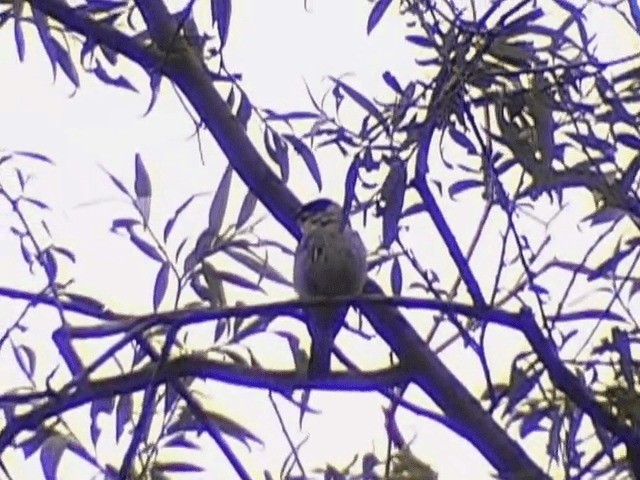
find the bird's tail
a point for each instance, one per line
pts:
(323, 324)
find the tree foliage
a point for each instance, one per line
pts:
(513, 110)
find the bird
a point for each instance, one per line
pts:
(330, 261)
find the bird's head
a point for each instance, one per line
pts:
(319, 213)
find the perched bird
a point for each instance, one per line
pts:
(330, 261)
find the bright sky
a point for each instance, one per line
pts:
(277, 46)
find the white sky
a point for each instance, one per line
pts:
(275, 45)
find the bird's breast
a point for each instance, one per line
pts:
(330, 263)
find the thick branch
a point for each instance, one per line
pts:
(81, 22)
(183, 367)
(574, 388)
